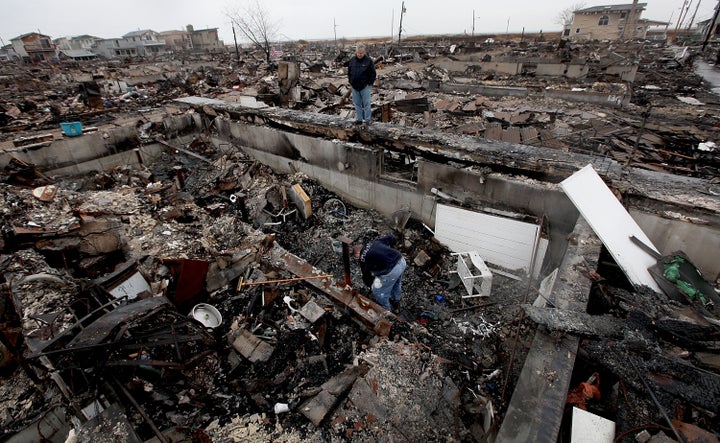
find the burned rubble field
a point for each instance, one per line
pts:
(443, 362)
(437, 337)
(289, 361)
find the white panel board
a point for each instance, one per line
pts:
(131, 287)
(612, 223)
(590, 428)
(501, 241)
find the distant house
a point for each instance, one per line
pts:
(34, 47)
(205, 40)
(76, 48)
(610, 22)
(147, 40)
(7, 53)
(708, 25)
(83, 41)
(133, 44)
(76, 54)
(177, 40)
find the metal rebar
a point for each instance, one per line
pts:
(142, 412)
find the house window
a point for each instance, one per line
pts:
(622, 15)
(577, 31)
(567, 32)
(604, 20)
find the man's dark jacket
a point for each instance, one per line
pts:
(361, 72)
(378, 258)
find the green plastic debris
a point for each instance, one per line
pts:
(673, 273)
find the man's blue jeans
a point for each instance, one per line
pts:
(391, 285)
(361, 99)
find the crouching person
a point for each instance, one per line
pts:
(382, 269)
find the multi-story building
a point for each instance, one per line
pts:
(34, 47)
(133, 44)
(609, 22)
(205, 40)
(177, 40)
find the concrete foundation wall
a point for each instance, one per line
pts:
(501, 193)
(361, 181)
(487, 91)
(134, 157)
(182, 124)
(626, 73)
(589, 97)
(502, 68)
(73, 150)
(562, 70)
(701, 243)
(332, 155)
(383, 196)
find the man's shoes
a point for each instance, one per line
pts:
(358, 122)
(394, 304)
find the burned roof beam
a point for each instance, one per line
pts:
(370, 313)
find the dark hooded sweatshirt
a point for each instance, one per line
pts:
(378, 258)
(361, 72)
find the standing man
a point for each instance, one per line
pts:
(382, 269)
(361, 75)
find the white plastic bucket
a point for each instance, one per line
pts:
(207, 315)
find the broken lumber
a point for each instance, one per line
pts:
(574, 322)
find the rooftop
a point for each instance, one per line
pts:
(139, 33)
(611, 8)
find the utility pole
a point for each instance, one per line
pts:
(630, 22)
(392, 26)
(692, 20)
(335, 31)
(680, 19)
(402, 13)
(507, 29)
(669, 21)
(711, 26)
(473, 29)
(237, 51)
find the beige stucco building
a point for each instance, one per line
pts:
(609, 22)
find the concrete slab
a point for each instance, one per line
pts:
(536, 408)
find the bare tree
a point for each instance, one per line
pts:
(565, 17)
(254, 22)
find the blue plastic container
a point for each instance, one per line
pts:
(71, 129)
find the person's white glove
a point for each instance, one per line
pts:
(377, 283)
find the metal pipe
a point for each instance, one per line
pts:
(142, 412)
(241, 283)
(346, 263)
(657, 403)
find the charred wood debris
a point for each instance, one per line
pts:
(133, 301)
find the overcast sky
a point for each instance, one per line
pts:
(303, 19)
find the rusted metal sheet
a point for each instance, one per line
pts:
(190, 276)
(371, 314)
